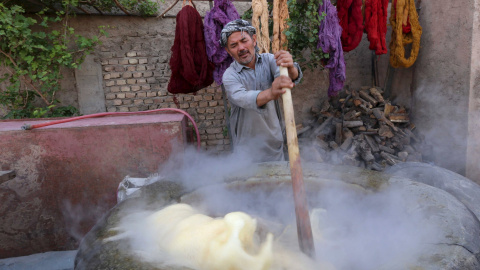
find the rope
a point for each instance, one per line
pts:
(280, 16)
(400, 10)
(260, 22)
(376, 25)
(329, 41)
(351, 21)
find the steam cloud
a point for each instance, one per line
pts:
(352, 230)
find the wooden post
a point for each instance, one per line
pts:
(304, 229)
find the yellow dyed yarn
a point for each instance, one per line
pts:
(280, 16)
(404, 9)
(260, 22)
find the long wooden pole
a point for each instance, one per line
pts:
(304, 228)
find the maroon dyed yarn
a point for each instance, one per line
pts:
(329, 40)
(351, 21)
(222, 13)
(191, 70)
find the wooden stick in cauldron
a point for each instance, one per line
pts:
(304, 229)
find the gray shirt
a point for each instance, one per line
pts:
(255, 128)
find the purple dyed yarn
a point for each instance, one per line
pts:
(329, 41)
(222, 13)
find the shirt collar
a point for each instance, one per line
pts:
(238, 67)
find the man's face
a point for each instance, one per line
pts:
(241, 47)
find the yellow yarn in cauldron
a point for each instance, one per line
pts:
(403, 9)
(260, 22)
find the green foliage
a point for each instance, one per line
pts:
(33, 60)
(142, 7)
(302, 32)
(247, 15)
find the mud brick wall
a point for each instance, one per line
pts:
(135, 71)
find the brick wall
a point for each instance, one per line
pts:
(137, 80)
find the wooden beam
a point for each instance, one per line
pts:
(121, 7)
(82, 9)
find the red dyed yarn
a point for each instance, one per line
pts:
(351, 20)
(191, 70)
(405, 28)
(376, 24)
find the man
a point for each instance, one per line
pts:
(253, 86)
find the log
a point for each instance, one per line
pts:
(352, 124)
(347, 133)
(399, 118)
(377, 138)
(333, 145)
(375, 166)
(371, 142)
(388, 109)
(360, 129)
(367, 156)
(389, 158)
(351, 115)
(381, 117)
(323, 126)
(385, 131)
(346, 144)
(386, 149)
(338, 133)
(377, 95)
(303, 130)
(368, 98)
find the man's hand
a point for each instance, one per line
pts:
(275, 91)
(285, 59)
(278, 84)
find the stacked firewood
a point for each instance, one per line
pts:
(360, 128)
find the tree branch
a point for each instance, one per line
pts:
(22, 77)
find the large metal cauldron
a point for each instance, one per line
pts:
(448, 199)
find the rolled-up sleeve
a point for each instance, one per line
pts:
(273, 65)
(237, 94)
(300, 73)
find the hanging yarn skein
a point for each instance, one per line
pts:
(406, 24)
(222, 13)
(376, 25)
(351, 21)
(280, 16)
(191, 70)
(329, 40)
(400, 38)
(260, 22)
